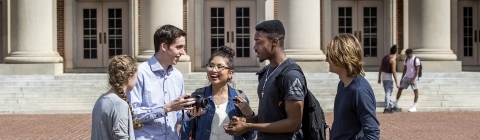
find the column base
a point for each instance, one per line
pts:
(31, 69)
(305, 55)
(435, 54)
(145, 55)
(184, 65)
(436, 66)
(313, 66)
(33, 57)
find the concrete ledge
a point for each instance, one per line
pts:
(436, 66)
(313, 66)
(31, 69)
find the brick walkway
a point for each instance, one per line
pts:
(401, 125)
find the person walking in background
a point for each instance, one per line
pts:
(221, 106)
(388, 75)
(409, 77)
(158, 98)
(354, 106)
(112, 116)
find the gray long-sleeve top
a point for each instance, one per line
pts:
(111, 119)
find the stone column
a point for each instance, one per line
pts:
(429, 35)
(156, 13)
(33, 37)
(301, 19)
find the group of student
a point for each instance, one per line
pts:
(148, 101)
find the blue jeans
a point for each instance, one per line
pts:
(388, 87)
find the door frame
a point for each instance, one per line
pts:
(475, 61)
(389, 26)
(195, 25)
(230, 30)
(70, 62)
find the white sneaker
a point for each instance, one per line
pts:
(413, 109)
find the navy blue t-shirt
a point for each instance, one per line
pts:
(354, 112)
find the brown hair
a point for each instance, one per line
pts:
(120, 69)
(166, 34)
(345, 51)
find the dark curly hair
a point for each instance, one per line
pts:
(273, 29)
(120, 69)
(166, 34)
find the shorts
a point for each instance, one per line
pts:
(406, 82)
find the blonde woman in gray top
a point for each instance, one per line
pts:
(112, 116)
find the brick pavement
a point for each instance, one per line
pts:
(400, 125)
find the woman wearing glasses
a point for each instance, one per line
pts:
(224, 102)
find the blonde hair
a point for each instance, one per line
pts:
(120, 69)
(345, 51)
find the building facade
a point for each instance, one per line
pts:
(75, 36)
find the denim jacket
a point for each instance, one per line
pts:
(205, 120)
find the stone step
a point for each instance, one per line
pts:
(238, 75)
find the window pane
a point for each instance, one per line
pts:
(349, 22)
(221, 12)
(213, 22)
(93, 13)
(93, 53)
(111, 13)
(93, 23)
(213, 42)
(118, 23)
(118, 13)
(239, 22)
(213, 12)
(118, 43)
(239, 42)
(366, 11)
(246, 52)
(86, 13)
(246, 12)
(221, 22)
(246, 22)
(239, 52)
(246, 42)
(86, 23)
(341, 11)
(238, 12)
(348, 11)
(86, 54)
(221, 42)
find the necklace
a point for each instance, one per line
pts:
(266, 79)
(218, 104)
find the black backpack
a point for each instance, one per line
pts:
(314, 125)
(414, 63)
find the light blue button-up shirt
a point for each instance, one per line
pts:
(156, 87)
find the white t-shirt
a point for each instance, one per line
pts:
(387, 76)
(219, 119)
(410, 68)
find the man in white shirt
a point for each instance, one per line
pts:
(409, 77)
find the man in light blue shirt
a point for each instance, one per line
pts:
(158, 97)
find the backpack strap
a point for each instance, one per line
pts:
(279, 79)
(198, 91)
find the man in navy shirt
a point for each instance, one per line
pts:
(354, 107)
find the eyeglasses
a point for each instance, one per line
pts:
(219, 67)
